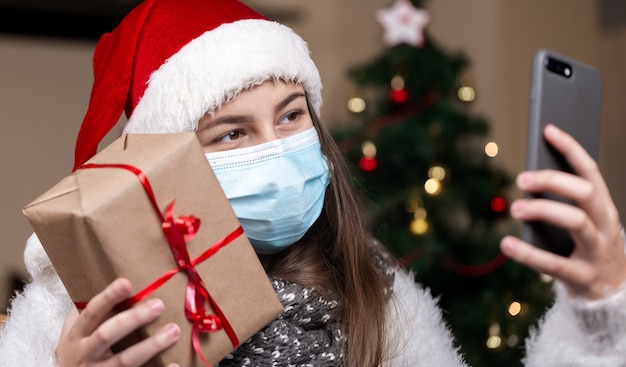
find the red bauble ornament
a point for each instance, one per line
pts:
(499, 205)
(368, 164)
(399, 95)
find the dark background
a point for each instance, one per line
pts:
(86, 19)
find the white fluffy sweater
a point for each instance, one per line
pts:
(574, 332)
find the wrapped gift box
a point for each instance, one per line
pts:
(99, 223)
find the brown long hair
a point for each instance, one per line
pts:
(333, 257)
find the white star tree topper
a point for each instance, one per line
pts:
(403, 23)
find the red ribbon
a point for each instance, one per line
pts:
(178, 231)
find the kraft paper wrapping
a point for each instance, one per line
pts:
(98, 224)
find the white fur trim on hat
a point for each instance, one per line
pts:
(216, 67)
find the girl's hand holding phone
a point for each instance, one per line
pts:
(597, 266)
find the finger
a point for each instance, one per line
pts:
(559, 183)
(601, 212)
(100, 306)
(598, 202)
(568, 217)
(70, 319)
(140, 353)
(574, 273)
(573, 152)
(122, 324)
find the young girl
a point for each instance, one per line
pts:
(249, 89)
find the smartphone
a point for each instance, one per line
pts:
(567, 93)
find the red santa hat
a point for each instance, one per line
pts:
(170, 62)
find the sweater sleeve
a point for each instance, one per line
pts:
(579, 332)
(417, 332)
(35, 318)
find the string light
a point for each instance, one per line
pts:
(397, 82)
(494, 341)
(512, 340)
(420, 213)
(368, 161)
(467, 94)
(356, 105)
(398, 93)
(437, 172)
(515, 308)
(368, 149)
(419, 224)
(494, 328)
(412, 205)
(491, 149)
(432, 186)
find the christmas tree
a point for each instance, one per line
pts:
(434, 195)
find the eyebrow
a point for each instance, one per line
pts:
(229, 119)
(285, 102)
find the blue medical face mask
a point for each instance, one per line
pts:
(276, 189)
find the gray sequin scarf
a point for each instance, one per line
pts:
(307, 333)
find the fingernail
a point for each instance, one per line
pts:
(517, 207)
(171, 332)
(507, 245)
(524, 179)
(120, 285)
(551, 130)
(155, 305)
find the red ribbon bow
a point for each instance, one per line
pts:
(178, 231)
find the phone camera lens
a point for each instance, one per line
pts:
(559, 67)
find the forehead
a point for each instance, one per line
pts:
(268, 92)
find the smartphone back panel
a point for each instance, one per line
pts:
(568, 94)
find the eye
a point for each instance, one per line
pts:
(291, 116)
(230, 136)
